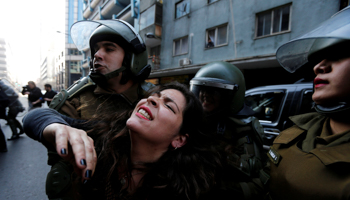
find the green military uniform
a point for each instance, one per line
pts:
(308, 162)
(238, 132)
(81, 103)
(240, 141)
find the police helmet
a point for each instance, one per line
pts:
(225, 78)
(86, 34)
(328, 41)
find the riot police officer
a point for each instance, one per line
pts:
(118, 70)
(220, 87)
(310, 160)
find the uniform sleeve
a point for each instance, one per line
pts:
(38, 119)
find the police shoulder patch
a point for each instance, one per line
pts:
(273, 155)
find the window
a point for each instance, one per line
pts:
(74, 52)
(182, 8)
(180, 46)
(216, 36)
(307, 105)
(212, 1)
(273, 21)
(147, 17)
(74, 66)
(154, 56)
(266, 105)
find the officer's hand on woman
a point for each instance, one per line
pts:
(73, 145)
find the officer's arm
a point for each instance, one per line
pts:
(36, 120)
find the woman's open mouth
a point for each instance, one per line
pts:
(144, 113)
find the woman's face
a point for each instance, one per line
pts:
(158, 118)
(332, 82)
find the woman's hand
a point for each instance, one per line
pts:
(73, 145)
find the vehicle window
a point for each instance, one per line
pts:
(265, 105)
(307, 105)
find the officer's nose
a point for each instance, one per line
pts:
(325, 66)
(98, 55)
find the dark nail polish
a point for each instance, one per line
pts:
(85, 182)
(83, 162)
(88, 173)
(63, 151)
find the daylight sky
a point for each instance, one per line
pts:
(28, 26)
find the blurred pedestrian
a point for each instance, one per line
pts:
(15, 107)
(4, 102)
(220, 87)
(34, 94)
(311, 159)
(48, 96)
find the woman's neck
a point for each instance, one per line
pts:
(143, 152)
(339, 126)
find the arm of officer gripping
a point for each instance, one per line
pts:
(59, 99)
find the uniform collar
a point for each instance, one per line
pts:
(317, 126)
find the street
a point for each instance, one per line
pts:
(23, 168)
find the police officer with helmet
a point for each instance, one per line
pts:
(121, 72)
(115, 84)
(220, 87)
(311, 159)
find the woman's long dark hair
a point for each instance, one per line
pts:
(184, 173)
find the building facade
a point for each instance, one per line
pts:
(247, 34)
(3, 60)
(183, 35)
(68, 68)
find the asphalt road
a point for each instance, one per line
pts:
(23, 168)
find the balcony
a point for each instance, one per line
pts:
(111, 7)
(151, 24)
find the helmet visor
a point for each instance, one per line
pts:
(82, 30)
(294, 54)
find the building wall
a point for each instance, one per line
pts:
(3, 59)
(65, 76)
(243, 49)
(241, 27)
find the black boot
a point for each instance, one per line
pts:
(13, 137)
(3, 146)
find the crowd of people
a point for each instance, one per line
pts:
(112, 135)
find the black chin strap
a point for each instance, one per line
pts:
(114, 73)
(102, 80)
(334, 111)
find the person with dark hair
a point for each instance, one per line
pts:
(311, 159)
(48, 96)
(34, 95)
(160, 154)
